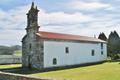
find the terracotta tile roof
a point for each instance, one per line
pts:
(52, 35)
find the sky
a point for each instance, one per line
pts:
(78, 17)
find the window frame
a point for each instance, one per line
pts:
(93, 52)
(66, 50)
(101, 45)
(102, 53)
(54, 61)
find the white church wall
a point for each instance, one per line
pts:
(78, 53)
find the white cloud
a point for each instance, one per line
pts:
(2, 14)
(4, 1)
(11, 37)
(63, 18)
(14, 20)
(80, 5)
(10, 22)
(110, 8)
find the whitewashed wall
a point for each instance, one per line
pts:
(78, 53)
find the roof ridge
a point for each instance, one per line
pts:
(54, 35)
(67, 34)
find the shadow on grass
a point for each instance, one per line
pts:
(20, 70)
(113, 61)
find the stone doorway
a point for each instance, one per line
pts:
(29, 61)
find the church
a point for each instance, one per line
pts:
(41, 49)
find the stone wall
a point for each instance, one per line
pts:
(11, 76)
(9, 59)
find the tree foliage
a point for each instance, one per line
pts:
(5, 50)
(113, 45)
(102, 36)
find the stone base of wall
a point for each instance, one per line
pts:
(11, 76)
(70, 66)
(63, 67)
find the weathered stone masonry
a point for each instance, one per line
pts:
(32, 45)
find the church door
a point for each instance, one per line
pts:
(29, 61)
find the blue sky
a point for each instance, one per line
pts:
(80, 17)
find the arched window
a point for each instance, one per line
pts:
(67, 49)
(30, 46)
(54, 61)
(101, 52)
(93, 52)
(101, 45)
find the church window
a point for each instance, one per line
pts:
(93, 52)
(30, 46)
(67, 49)
(101, 45)
(54, 61)
(101, 52)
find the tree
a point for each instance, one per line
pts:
(102, 36)
(113, 45)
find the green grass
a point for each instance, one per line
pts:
(105, 71)
(10, 66)
(18, 53)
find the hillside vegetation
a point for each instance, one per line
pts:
(9, 50)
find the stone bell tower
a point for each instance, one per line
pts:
(32, 56)
(32, 20)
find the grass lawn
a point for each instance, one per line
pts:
(105, 71)
(18, 53)
(10, 66)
